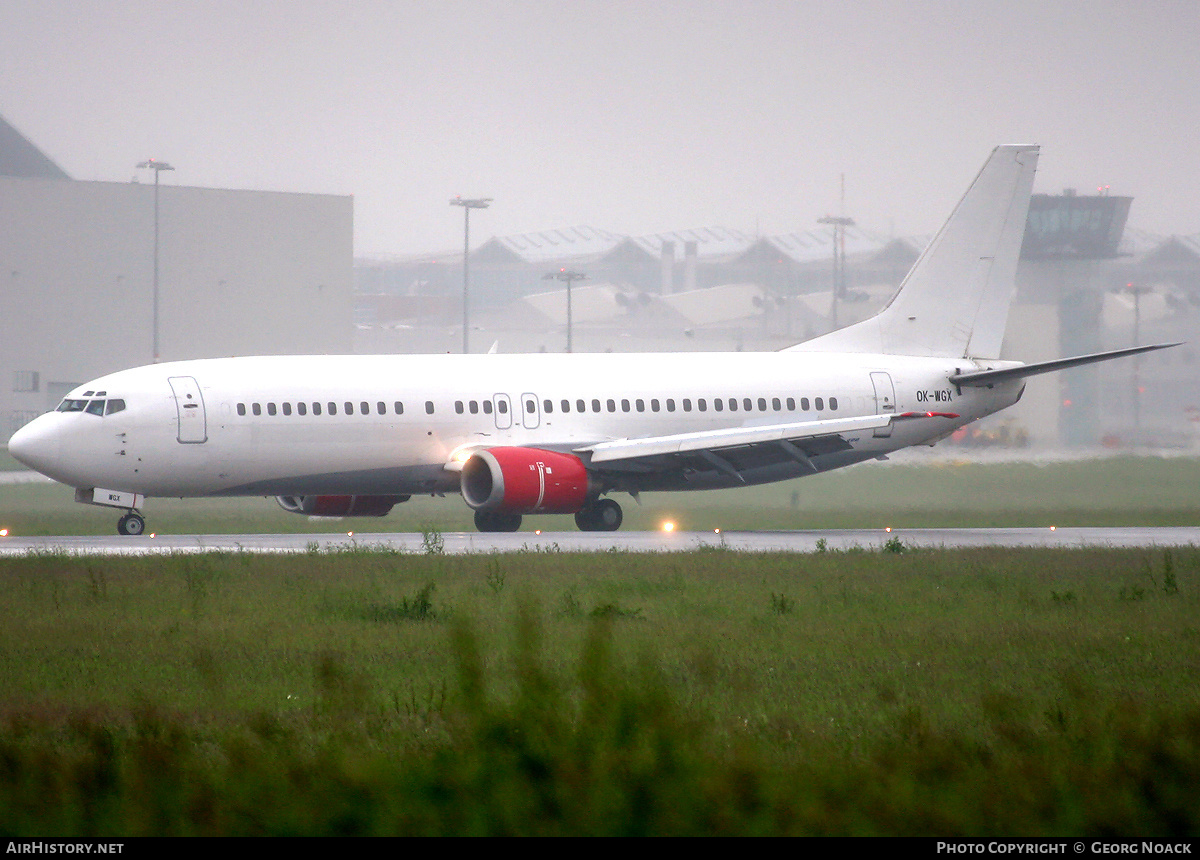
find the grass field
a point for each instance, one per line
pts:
(1123, 491)
(936, 692)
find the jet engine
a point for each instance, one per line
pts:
(340, 506)
(525, 481)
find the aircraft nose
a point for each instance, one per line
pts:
(37, 445)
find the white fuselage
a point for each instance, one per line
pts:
(392, 424)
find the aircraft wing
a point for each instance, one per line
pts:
(737, 448)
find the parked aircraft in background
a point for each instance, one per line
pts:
(545, 434)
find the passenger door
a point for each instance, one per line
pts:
(189, 409)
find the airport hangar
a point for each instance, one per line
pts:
(239, 273)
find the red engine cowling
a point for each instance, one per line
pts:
(340, 506)
(524, 481)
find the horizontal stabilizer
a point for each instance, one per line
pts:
(988, 377)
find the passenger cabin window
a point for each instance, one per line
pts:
(820, 404)
(302, 408)
(832, 403)
(487, 407)
(332, 408)
(256, 408)
(398, 407)
(287, 408)
(458, 407)
(349, 407)
(803, 404)
(270, 408)
(364, 408)
(428, 407)
(316, 408)
(241, 409)
(381, 408)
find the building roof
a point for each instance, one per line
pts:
(19, 157)
(812, 245)
(711, 242)
(548, 245)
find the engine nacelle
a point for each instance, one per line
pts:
(525, 481)
(340, 506)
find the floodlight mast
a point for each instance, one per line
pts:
(468, 205)
(569, 276)
(158, 167)
(839, 224)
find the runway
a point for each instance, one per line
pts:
(472, 542)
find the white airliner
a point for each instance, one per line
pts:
(537, 434)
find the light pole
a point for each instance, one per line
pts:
(158, 167)
(468, 205)
(1137, 292)
(839, 224)
(569, 276)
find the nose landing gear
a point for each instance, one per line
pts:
(132, 523)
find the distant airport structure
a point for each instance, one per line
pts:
(1086, 283)
(239, 272)
(253, 272)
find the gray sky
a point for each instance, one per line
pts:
(631, 116)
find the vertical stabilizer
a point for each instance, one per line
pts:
(954, 302)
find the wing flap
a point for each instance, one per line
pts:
(734, 437)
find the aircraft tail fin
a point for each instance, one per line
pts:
(954, 301)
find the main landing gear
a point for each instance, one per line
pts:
(602, 515)
(132, 523)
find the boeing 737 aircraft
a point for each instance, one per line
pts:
(542, 434)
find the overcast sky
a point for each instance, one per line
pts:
(635, 117)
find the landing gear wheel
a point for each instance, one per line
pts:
(495, 521)
(131, 524)
(602, 515)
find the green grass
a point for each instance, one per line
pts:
(935, 692)
(1118, 491)
(8, 463)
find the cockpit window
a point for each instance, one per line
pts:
(92, 407)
